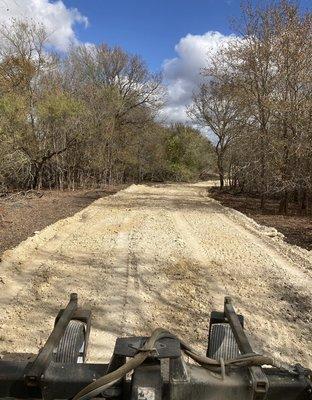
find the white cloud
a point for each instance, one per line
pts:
(55, 16)
(182, 74)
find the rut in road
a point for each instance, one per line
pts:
(162, 255)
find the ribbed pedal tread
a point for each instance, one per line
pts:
(222, 342)
(71, 343)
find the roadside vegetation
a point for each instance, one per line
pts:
(85, 119)
(257, 100)
(90, 118)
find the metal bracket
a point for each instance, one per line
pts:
(42, 361)
(164, 348)
(259, 381)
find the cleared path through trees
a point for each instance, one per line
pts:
(162, 255)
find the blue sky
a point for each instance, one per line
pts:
(175, 37)
(152, 28)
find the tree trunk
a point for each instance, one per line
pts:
(262, 203)
(283, 206)
(304, 201)
(220, 169)
(221, 178)
(263, 173)
(37, 172)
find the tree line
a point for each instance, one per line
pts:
(86, 118)
(256, 98)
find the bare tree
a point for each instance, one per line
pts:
(268, 80)
(86, 118)
(214, 107)
(125, 96)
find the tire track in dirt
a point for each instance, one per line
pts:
(157, 256)
(52, 266)
(114, 302)
(265, 311)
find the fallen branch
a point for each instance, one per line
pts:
(24, 193)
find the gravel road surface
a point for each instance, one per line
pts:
(163, 255)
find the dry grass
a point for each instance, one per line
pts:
(296, 228)
(22, 215)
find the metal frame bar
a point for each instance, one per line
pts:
(260, 383)
(63, 381)
(238, 331)
(49, 380)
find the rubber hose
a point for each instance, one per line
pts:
(108, 380)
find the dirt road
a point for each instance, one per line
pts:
(158, 256)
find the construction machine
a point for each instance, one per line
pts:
(157, 367)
